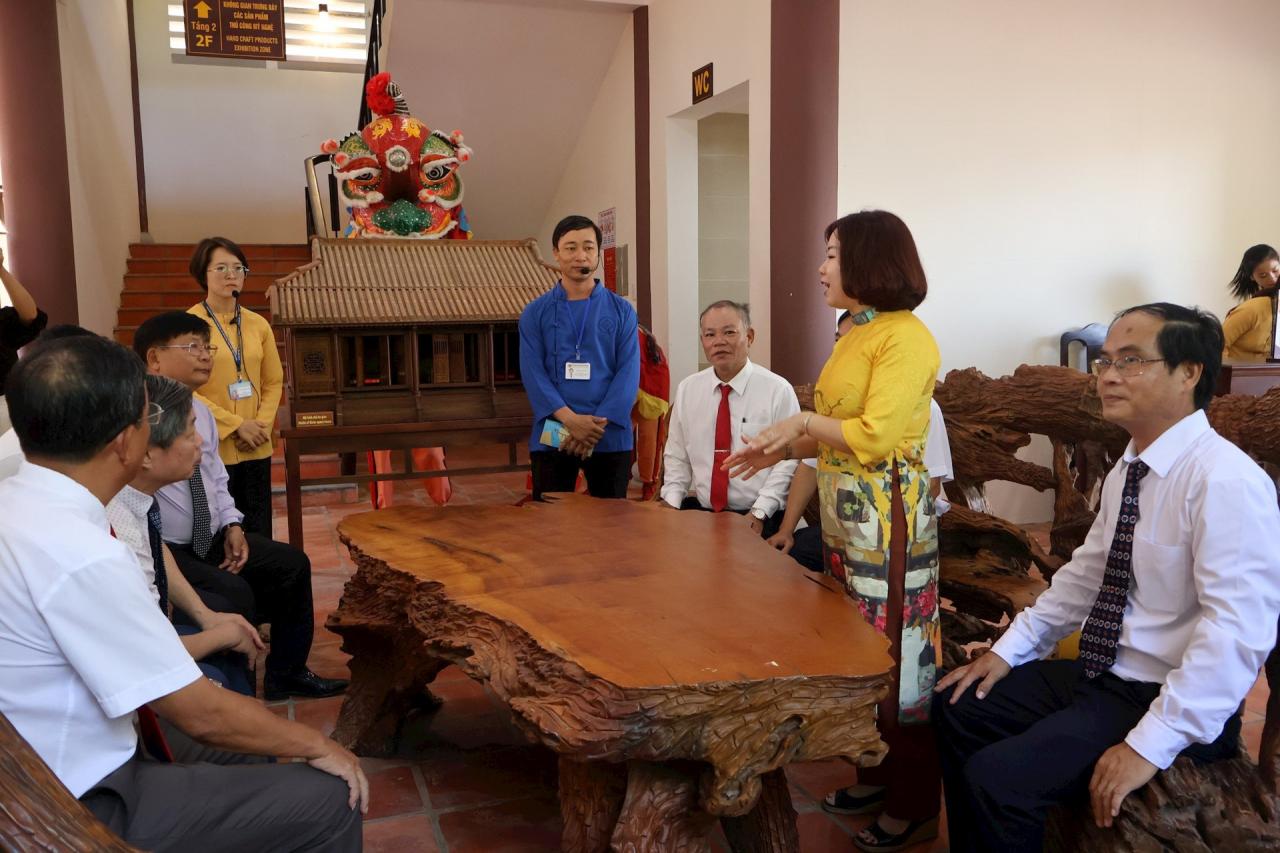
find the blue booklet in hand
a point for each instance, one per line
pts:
(554, 434)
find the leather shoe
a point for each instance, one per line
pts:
(304, 683)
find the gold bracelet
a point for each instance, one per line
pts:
(807, 418)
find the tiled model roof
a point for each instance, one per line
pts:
(382, 282)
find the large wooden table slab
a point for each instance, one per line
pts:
(673, 660)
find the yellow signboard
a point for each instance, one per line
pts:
(235, 29)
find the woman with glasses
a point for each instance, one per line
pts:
(879, 530)
(1247, 327)
(245, 384)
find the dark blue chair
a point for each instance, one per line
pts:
(1090, 338)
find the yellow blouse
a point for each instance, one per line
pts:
(1247, 330)
(879, 381)
(261, 366)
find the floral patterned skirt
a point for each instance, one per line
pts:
(885, 552)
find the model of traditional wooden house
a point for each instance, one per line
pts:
(398, 331)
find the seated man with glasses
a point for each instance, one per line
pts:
(1177, 586)
(233, 571)
(85, 654)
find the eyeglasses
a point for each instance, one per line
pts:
(235, 270)
(193, 350)
(154, 411)
(1129, 365)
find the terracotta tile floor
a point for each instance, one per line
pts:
(468, 779)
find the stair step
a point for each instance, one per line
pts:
(251, 250)
(135, 316)
(159, 299)
(276, 266)
(124, 334)
(184, 283)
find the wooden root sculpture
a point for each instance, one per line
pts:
(991, 569)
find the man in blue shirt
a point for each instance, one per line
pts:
(580, 363)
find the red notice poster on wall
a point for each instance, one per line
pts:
(608, 247)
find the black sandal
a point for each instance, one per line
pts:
(880, 841)
(842, 802)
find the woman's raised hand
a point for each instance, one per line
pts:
(765, 449)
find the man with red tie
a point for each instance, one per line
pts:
(712, 411)
(1177, 586)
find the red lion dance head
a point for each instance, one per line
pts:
(399, 177)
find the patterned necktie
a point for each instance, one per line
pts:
(724, 439)
(1101, 630)
(201, 536)
(157, 555)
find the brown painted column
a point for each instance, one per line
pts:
(803, 136)
(33, 157)
(640, 46)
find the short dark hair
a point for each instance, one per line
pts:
(1188, 336)
(68, 398)
(199, 266)
(575, 222)
(1242, 285)
(743, 309)
(159, 330)
(879, 264)
(63, 330)
(175, 399)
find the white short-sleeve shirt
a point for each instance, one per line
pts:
(82, 643)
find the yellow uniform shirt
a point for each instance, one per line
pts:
(260, 364)
(1247, 330)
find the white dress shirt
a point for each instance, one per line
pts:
(1205, 592)
(759, 398)
(175, 498)
(82, 643)
(10, 453)
(127, 513)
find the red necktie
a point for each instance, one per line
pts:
(149, 726)
(724, 440)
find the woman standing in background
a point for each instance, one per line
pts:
(244, 388)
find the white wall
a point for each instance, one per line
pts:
(1059, 162)
(97, 101)
(683, 36)
(224, 142)
(723, 206)
(601, 171)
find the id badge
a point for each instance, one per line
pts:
(241, 390)
(577, 370)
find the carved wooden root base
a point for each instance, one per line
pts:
(660, 813)
(591, 795)
(771, 826)
(645, 806)
(37, 813)
(1223, 806)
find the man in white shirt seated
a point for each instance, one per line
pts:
(1177, 586)
(712, 411)
(224, 645)
(84, 650)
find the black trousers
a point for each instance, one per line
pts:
(607, 473)
(210, 800)
(771, 524)
(807, 548)
(249, 484)
(1031, 744)
(274, 586)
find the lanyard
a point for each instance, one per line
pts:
(582, 327)
(236, 352)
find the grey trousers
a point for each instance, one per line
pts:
(209, 800)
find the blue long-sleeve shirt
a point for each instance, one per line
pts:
(549, 329)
